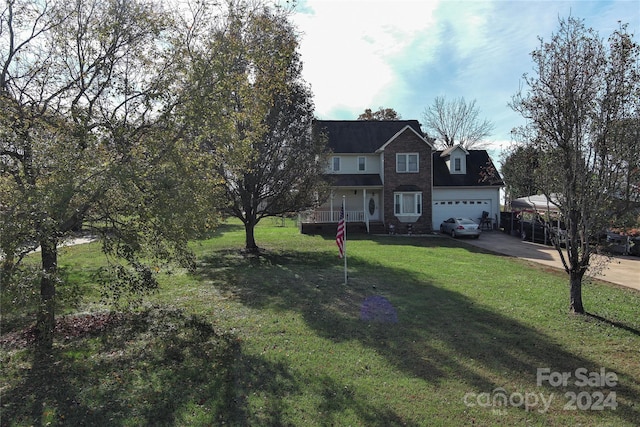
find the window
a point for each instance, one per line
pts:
(361, 164)
(335, 166)
(407, 162)
(457, 164)
(408, 204)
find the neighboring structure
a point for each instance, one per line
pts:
(392, 180)
(465, 184)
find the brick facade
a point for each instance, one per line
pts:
(408, 142)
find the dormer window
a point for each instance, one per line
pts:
(457, 164)
(456, 159)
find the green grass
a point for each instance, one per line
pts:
(278, 339)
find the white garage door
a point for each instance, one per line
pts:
(469, 208)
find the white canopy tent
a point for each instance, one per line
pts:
(540, 205)
(536, 202)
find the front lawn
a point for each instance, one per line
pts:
(428, 331)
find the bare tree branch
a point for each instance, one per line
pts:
(456, 123)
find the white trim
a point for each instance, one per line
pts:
(447, 152)
(426, 141)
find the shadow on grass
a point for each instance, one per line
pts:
(614, 323)
(441, 335)
(157, 367)
(161, 367)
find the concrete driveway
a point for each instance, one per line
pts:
(621, 270)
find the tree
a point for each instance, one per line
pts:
(381, 114)
(86, 140)
(253, 114)
(520, 170)
(581, 107)
(456, 123)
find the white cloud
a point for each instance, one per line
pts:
(402, 54)
(348, 49)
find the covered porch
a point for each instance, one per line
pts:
(363, 212)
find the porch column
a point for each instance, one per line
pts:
(364, 205)
(331, 207)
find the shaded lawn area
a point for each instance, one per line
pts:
(428, 331)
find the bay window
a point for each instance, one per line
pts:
(407, 203)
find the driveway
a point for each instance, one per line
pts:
(621, 270)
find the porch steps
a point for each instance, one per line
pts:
(377, 227)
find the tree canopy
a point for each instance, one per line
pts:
(87, 140)
(582, 110)
(520, 170)
(252, 114)
(456, 122)
(381, 114)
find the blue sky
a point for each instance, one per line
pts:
(402, 54)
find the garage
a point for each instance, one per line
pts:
(459, 208)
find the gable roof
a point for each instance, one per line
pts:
(427, 140)
(451, 149)
(364, 136)
(481, 171)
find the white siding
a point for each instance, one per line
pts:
(349, 163)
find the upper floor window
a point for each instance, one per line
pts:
(457, 164)
(361, 164)
(335, 164)
(407, 162)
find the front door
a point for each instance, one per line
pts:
(373, 207)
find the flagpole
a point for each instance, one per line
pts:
(345, 239)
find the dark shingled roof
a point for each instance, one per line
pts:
(355, 180)
(362, 136)
(480, 171)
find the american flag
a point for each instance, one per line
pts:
(340, 233)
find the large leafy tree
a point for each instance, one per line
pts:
(86, 140)
(582, 109)
(520, 170)
(456, 122)
(380, 114)
(252, 113)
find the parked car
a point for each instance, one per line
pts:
(460, 227)
(540, 232)
(620, 244)
(635, 248)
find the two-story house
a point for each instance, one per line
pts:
(382, 170)
(392, 179)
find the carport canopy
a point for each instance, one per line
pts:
(536, 202)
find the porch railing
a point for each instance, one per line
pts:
(331, 216)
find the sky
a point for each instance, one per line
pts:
(360, 54)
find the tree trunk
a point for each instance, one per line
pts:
(6, 269)
(575, 293)
(46, 314)
(250, 241)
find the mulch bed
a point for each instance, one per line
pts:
(67, 328)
